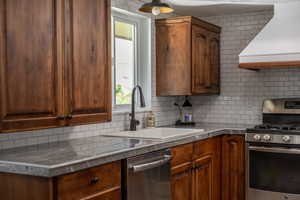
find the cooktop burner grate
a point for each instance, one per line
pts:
(280, 127)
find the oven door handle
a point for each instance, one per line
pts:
(274, 150)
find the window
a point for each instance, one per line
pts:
(131, 57)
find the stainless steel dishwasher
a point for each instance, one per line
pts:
(148, 176)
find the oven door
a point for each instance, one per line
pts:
(273, 173)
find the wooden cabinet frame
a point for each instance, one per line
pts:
(233, 167)
(213, 168)
(94, 114)
(200, 163)
(44, 95)
(187, 57)
(78, 185)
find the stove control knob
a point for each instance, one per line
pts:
(286, 138)
(256, 137)
(267, 137)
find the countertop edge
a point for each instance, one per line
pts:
(66, 168)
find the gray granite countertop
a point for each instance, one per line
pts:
(54, 159)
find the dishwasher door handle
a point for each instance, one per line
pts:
(154, 164)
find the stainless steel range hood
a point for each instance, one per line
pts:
(278, 44)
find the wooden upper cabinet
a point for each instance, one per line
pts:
(88, 61)
(233, 167)
(30, 64)
(54, 63)
(187, 57)
(200, 60)
(214, 63)
(173, 59)
(206, 61)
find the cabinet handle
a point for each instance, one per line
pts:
(60, 118)
(94, 180)
(69, 117)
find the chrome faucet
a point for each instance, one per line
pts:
(133, 121)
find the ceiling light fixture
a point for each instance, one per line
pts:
(156, 7)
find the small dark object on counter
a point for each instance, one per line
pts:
(180, 123)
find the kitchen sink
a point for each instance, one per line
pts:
(157, 133)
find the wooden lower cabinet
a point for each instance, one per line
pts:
(21, 187)
(181, 171)
(203, 178)
(199, 178)
(98, 183)
(210, 169)
(198, 171)
(207, 169)
(181, 182)
(233, 167)
(109, 195)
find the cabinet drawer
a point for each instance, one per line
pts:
(207, 146)
(182, 154)
(90, 182)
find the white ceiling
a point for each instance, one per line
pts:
(206, 2)
(220, 9)
(202, 8)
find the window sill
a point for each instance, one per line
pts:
(127, 111)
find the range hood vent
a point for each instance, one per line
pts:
(278, 44)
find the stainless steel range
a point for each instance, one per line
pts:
(273, 153)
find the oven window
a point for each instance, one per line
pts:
(277, 172)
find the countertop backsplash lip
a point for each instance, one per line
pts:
(63, 157)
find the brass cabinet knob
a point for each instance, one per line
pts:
(94, 180)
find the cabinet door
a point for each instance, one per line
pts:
(233, 167)
(30, 64)
(207, 169)
(205, 61)
(200, 62)
(181, 182)
(173, 59)
(214, 63)
(203, 178)
(88, 60)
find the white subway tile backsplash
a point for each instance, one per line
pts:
(243, 91)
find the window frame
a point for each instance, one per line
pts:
(142, 61)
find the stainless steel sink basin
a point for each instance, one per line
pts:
(157, 133)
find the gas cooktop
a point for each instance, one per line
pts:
(281, 123)
(293, 129)
(278, 127)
